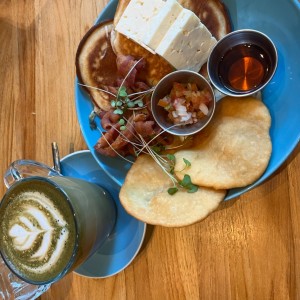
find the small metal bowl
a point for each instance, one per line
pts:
(255, 50)
(164, 87)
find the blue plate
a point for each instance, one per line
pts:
(127, 237)
(280, 20)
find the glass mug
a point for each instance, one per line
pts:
(49, 225)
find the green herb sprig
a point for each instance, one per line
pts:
(186, 182)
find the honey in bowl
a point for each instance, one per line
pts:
(242, 63)
(244, 67)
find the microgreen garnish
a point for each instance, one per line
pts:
(121, 121)
(187, 163)
(158, 148)
(118, 111)
(171, 157)
(122, 92)
(172, 190)
(186, 182)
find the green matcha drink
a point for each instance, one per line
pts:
(49, 226)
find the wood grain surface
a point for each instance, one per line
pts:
(248, 249)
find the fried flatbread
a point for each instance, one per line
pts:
(234, 149)
(144, 195)
(96, 63)
(212, 13)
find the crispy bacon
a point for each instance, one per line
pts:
(108, 119)
(145, 128)
(115, 141)
(125, 64)
(109, 137)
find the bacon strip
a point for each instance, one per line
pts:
(109, 119)
(141, 123)
(125, 64)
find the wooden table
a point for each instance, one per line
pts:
(248, 249)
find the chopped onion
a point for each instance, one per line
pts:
(174, 114)
(186, 117)
(203, 108)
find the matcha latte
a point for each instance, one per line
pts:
(38, 231)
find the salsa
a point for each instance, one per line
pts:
(186, 104)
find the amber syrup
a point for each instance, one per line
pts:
(244, 67)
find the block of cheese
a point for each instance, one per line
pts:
(135, 20)
(203, 44)
(187, 43)
(161, 22)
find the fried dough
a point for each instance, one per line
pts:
(233, 150)
(144, 195)
(96, 63)
(212, 13)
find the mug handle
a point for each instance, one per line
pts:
(23, 168)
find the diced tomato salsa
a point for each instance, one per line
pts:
(186, 104)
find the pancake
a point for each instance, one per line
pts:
(96, 63)
(212, 13)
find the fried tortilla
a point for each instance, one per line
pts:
(144, 195)
(233, 150)
(212, 13)
(96, 63)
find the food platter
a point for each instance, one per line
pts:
(280, 20)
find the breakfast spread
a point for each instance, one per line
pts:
(180, 180)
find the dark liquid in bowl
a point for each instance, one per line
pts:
(244, 67)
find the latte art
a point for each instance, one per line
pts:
(39, 229)
(38, 236)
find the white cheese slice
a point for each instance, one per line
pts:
(201, 47)
(161, 22)
(135, 20)
(187, 44)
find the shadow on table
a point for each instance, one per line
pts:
(148, 236)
